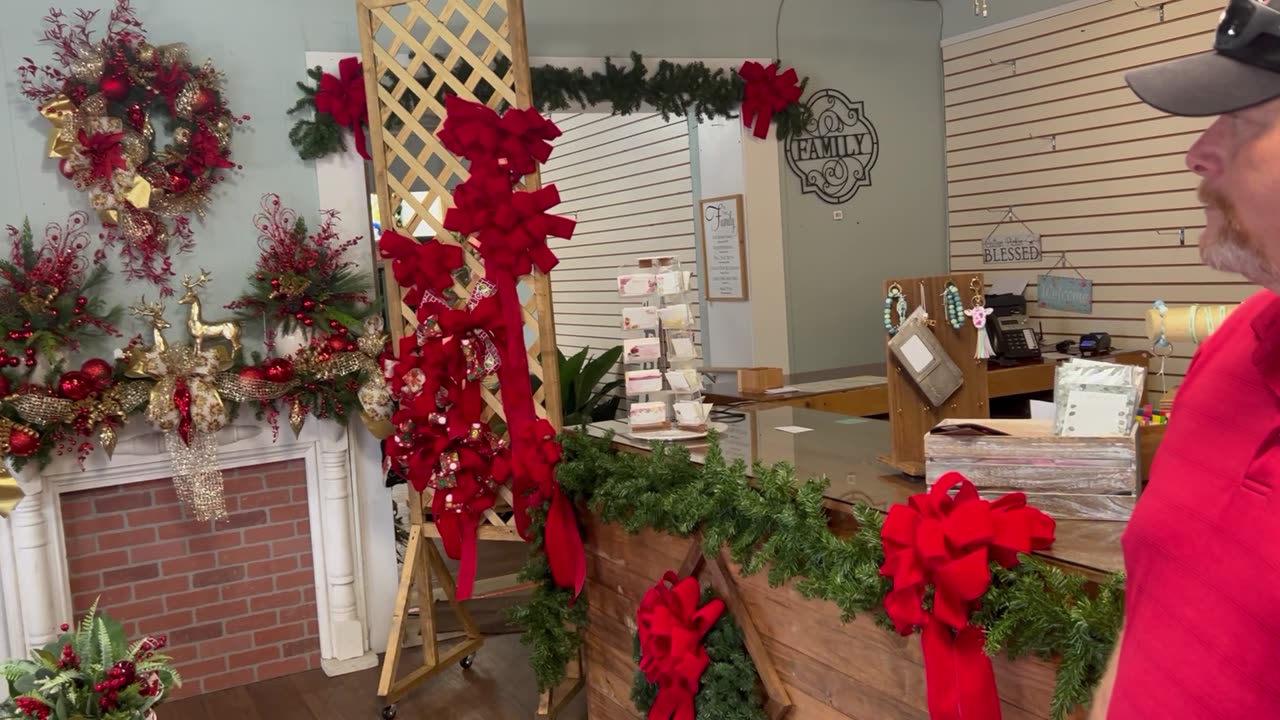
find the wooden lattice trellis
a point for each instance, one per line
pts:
(414, 52)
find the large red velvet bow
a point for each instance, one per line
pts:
(766, 92)
(671, 629)
(342, 96)
(510, 228)
(513, 144)
(947, 542)
(420, 266)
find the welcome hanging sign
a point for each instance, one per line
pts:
(1063, 292)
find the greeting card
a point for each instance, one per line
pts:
(637, 284)
(643, 381)
(685, 380)
(640, 350)
(675, 317)
(647, 414)
(639, 318)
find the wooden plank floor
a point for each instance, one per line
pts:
(499, 686)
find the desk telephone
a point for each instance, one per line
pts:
(1015, 339)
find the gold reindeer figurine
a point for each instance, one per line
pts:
(155, 313)
(228, 330)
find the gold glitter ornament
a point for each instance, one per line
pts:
(107, 438)
(182, 136)
(297, 416)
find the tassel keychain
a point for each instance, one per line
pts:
(978, 313)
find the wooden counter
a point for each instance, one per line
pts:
(871, 397)
(832, 670)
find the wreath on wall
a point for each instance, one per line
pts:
(101, 98)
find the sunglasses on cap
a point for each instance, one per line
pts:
(1241, 71)
(1249, 31)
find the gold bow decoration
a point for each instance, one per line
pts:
(126, 190)
(99, 414)
(186, 406)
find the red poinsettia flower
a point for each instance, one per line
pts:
(204, 153)
(168, 82)
(104, 153)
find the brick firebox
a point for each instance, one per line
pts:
(237, 598)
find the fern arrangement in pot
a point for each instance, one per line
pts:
(90, 674)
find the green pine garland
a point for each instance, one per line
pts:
(779, 522)
(674, 90)
(320, 136)
(728, 690)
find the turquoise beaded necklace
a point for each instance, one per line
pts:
(895, 292)
(954, 306)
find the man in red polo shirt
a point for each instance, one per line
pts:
(1201, 635)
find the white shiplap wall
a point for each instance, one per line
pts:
(627, 180)
(1039, 119)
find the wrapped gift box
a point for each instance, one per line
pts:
(1089, 478)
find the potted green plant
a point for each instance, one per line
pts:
(90, 674)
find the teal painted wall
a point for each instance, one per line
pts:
(260, 46)
(960, 18)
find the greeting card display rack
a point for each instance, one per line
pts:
(660, 357)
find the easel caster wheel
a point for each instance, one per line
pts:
(468, 661)
(389, 712)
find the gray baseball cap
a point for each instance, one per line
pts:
(1241, 71)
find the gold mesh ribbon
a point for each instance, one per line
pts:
(116, 403)
(196, 476)
(10, 492)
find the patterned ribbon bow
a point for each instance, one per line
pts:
(473, 327)
(767, 92)
(944, 542)
(342, 97)
(514, 143)
(671, 629)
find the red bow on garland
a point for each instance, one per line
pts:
(420, 266)
(671, 629)
(514, 143)
(766, 92)
(342, 97)
(948, 542)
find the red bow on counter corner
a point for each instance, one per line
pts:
(671, 629)
(766, 93)
(342, 98)
(947, 542)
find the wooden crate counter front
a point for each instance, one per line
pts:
(831, 670)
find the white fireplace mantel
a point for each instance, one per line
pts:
(35, 595)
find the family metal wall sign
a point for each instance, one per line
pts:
(834, 154)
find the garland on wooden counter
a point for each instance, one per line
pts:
(779, 523)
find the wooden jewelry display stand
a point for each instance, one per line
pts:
(413, 56)
(910, 414)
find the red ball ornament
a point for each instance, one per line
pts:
(204, 101)
(23, 442)
(308, 304)
(252, 373)
(179, 181)
(279, 370)
(116, 87)
(137, 116)
(75, 385)
(98, 371)
(336, 343)
(13, 362)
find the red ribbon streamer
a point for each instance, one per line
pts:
(766, 92)
(342, 97)
(671, 629)
(947, 542)
(182, 401)
(511, 230)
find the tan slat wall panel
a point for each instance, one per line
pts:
(627, 181)
(1039, 120)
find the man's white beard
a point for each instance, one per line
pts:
(1230, 254)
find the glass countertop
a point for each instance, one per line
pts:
(846, 450)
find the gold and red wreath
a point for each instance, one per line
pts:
(101, 99)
